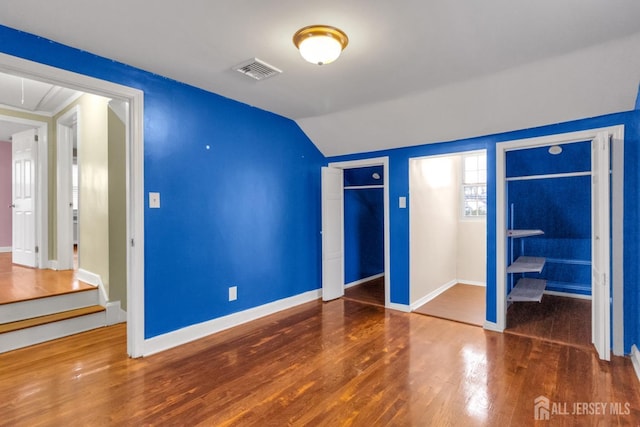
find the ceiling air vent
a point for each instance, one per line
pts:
(257, 69)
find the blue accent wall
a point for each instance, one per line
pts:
(399, 218)
(245, 212)
(363, 233)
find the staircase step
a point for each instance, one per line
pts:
(28, 332)
(37, 307)
(50, 318)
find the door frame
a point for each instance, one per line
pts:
(616, 199)
(41, 202)
(134, 175)
(64, 161)
(384, 162)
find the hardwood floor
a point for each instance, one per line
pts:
(371, 292)
(461, 303)
(558, 319)
(328, 364)
(19, 283)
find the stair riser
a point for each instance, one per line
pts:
(43, 306)
(50, 331)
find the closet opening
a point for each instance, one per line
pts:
(559, 238)
(355, 231)
(364, 234)
(548, 192)
(447, 226)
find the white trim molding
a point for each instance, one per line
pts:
(365, 280)
(431, 295)
(201, 330)
(405, 308)
(492, 326)
(4, 249)
(635, 359)
(472, 283)
(94, 280)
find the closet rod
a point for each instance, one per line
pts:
(551, 175)
(362, 187)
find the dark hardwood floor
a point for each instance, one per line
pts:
(371, 292)
(558, 319)
(329, 364)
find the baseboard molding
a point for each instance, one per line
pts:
(491, 326)
(472, 283)
(568, 295)
(6, 249)
(115, 314)
(201, 330)
(431, 295)
(95, 280)
(400, 307)
(635, 359)
(53, 264)
(361, 281)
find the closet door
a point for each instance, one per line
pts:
(332, 233)
(600, 269)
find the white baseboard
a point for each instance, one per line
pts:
(635, 359)
(361, 281)
(115, 314)
(568, 295)
(53, 264)
(201, 330)
(6, 249)
(95, 280)
(400, 307)
(431, 295)
(491, 326)
(472, 282)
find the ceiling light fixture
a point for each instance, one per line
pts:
(320, 44)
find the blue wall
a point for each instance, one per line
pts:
(245, 212)
(399, 218)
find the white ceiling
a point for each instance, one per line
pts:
(414, 72)
(30, 96)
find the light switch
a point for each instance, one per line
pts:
(402, 202)
(154, 200)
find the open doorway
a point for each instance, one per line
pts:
(131, 178)
(355, 217)
(558, 229)
(448, 207)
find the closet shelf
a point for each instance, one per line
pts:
(523, 233)
(527, 290)
(527, 264)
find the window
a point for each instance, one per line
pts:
(474, 186)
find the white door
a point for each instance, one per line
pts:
(600, 270)
(332, 234)
(24, 154)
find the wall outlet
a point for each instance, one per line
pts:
(154, 200)
(233, 293)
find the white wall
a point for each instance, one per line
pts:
(444, 248)
(433, 222)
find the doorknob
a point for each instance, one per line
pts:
(12, 205)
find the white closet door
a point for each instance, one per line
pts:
(332, 233)
(600, 263)
(24, 150)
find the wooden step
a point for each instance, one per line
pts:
(50, 318)
(43, 306)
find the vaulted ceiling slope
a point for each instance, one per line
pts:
(414, 72)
